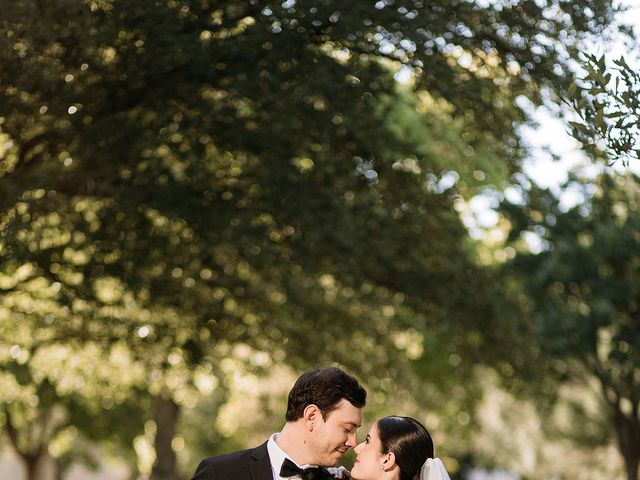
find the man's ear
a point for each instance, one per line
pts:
(311, 415)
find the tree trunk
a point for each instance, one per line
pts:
(30, 458)
(628, 433)
(631, 463)
(59, 471)
(31, 462)
(165, 415)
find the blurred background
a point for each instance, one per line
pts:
(201, 199)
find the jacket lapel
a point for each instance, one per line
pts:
(259, 464)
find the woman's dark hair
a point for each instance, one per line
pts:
(409, 441)
(324, 387)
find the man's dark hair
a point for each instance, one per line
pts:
(324, 387)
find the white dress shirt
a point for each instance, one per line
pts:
(277, 456)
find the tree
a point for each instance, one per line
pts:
(54, 396)
(192, 175)
(606, 102)
(582, 296)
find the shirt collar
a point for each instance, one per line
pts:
(277, 456)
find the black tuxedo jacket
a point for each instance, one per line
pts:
(251, 464)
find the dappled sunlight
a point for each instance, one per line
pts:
(200, 200)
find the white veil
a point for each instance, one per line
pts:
(433, 469)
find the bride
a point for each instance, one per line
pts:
(397, 448)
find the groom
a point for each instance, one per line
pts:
(324, 411)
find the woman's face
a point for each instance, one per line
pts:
(368, 462)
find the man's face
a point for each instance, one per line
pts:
(331, 438)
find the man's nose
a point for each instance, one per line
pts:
(352, 440)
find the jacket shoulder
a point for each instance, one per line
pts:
(220, 466)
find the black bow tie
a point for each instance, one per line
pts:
(290, 469)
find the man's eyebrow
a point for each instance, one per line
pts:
(352, 424)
